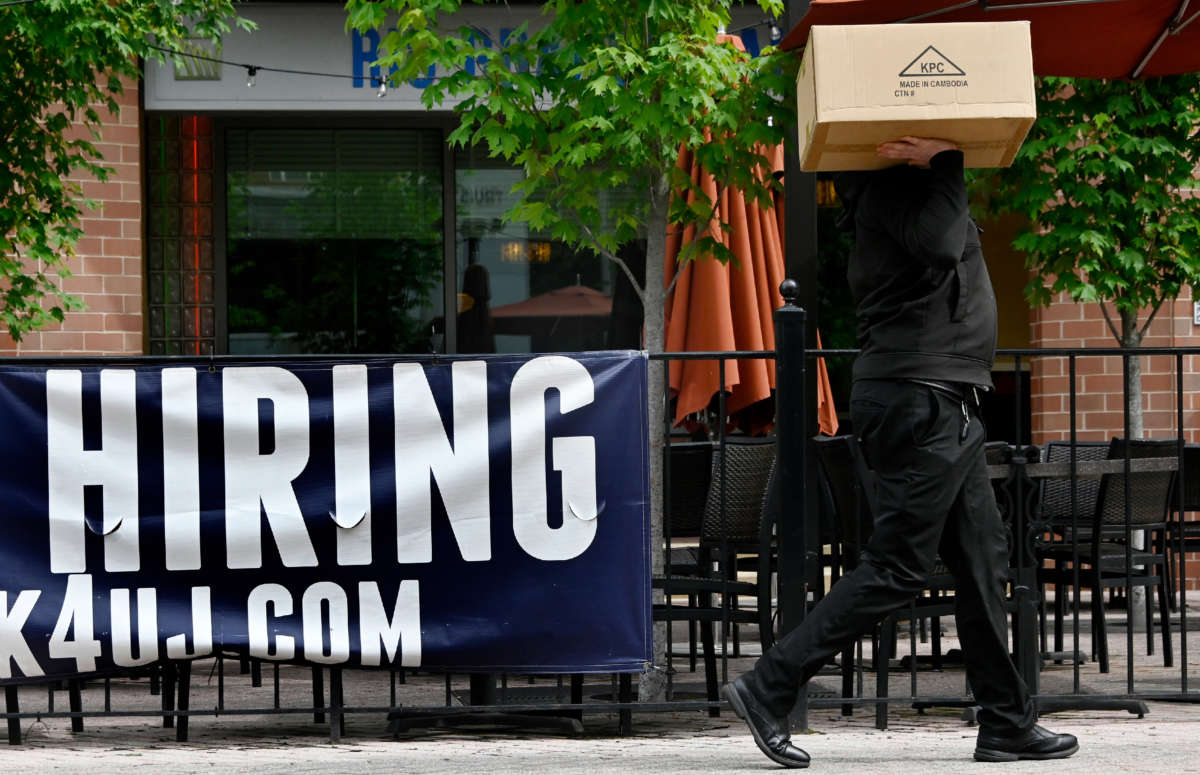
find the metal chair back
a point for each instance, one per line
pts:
(1056, 493)
(733, 511)
(1149, 491)
(691, 471)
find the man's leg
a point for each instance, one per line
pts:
(975, 549)
(910, 436)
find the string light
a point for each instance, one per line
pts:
(252, 70)
(379, 82)
(774, 32)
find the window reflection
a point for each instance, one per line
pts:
(520, 291)
(334, 240)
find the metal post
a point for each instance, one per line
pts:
(624, 695)
(791, 468)
(1029, 663)
(12, 705)
(801, 263)
(75, 695)
(800, 201)
(184, 673)
(168, 694)
(337, 724)
(318, 690)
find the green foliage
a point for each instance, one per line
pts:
(1107, 179)
(598, 97)
(63, 62)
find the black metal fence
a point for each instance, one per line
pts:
(753, 537)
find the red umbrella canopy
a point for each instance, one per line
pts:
(569, 302)
(1085, 39)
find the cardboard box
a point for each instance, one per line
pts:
(862, 85)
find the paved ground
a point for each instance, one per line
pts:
(1167, 740)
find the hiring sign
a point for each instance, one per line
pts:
(470, 514)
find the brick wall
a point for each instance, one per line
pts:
(1099, 383)
(107, 270)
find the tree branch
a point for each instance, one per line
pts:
(678, 271)
(599, 248)
(1112, 329)
(1157, 306)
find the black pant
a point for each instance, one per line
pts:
(934, 498)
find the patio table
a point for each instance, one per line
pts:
(1019, 477)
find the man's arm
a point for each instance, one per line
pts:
(930, 224)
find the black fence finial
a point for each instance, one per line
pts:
(790, 290)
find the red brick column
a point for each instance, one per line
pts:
(107, 269)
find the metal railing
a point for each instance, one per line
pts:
(795, 551)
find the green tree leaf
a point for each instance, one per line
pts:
(61, 59)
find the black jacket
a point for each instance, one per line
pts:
(926, 309)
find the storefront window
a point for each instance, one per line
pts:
(333, 239)
(520, 291)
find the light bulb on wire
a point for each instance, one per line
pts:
(382, 88)
(251, 72)
(776, 33)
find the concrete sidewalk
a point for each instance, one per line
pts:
(1167, 740)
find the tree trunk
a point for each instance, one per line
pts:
(652, 686)
(1131, 336)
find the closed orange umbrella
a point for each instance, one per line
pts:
(717, 306)
(723, 307)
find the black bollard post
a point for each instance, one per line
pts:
(791, 403)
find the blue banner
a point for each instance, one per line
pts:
(474, 514)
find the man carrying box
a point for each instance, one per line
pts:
(927, 325)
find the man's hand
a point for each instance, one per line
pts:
(916, 151)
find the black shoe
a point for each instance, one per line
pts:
(1035, 743)
(770, 732)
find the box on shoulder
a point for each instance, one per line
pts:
(862, 85)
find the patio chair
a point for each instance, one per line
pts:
(1180, 530)
(737, 523)
(689, 467)
(1054, 501)
(1105, 559)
